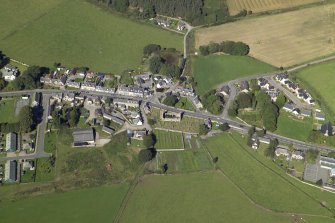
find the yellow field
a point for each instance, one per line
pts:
(281, 40)
(235, 6)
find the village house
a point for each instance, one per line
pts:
(319, 116)
(28, 165)
(306, 113)
(139, 134)
(72, 84)
(185, 92)
(10, 171)
(244, 86)
(88, 86)
(105, 90)
(263, 83)
(328, 164)
(197, 103)
(114, 118)
(11, 142)
(281, 78)
(272, 92)
(327, 129)
(164, 23)
(289, 107)
(83, 137)
(131, 91)
(181, 26)
(69, 97)
(119, 102)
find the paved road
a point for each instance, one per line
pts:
(311, 63)
(289, 94)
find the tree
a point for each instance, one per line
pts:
(270, 115)
(262, 99)
(233, 109)
(281, 100)
(254, 85)
(149, 140)
(269, 152)
(319, 182)
(26, 119)
(146, 155)
(121, 5)
(203, 130)
(224, 127)
(204, 50)
(151, 121)
(150, 49)
(261, 133)
(2, 84)
(155, 64)
(74, 116)
(165, 168)
(331, 154)
(3, 59)
(170, 100)
(312, 155)
(215, 159)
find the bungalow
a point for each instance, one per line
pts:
(319, 116)
(244, 86)
(108, 130)
(181, 26)
(83, 137)
(139, 134)
(296, 111)
(28, 165)
(131, 91)
(263, 83)
(11, 142)
(282, 152)
(10, 171)
(327, 129)
(162, 84)
(10, 72)
(306, 113)
(272, 92)
(138, 121)
(281, 78)
(224, 90)
(289, 107)
(297, 155)
(327, 163)
(89, 86)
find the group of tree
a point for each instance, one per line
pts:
(66, 117)
(25, 123)
(212, 102)
(260, 101)
(3, 59)
(30, 78)
(224, 127)
(170, 100)
(270, 150)
(203, 129)
(149, 153)
(311, 155)
(228, 47)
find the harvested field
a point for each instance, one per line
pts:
(235, 6)
(284, 39)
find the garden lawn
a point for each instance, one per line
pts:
(202, 197)
(87, 205)
(7, 110)
(186, 104)
(292, 127)
(168, 140)
(263, 181)
(319, 81)
(210, 71)
(88, 36)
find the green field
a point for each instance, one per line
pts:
(210, 71)
(43, 32)
(263, 181)
(292, 127)
(87, 205)
(209, 197)
(168, 140)
(319, 81)
(7, 110)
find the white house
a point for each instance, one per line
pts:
(298, 155)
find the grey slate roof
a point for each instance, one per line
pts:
(83, 135)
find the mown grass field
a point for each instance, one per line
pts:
(184, 161)
(168, 139)
(210, 71)
(284, 39)
(87, 205)
(186, 104)
(209, 197)
(319, 80)
(7, 110)
(294, 128)
(263, 181)
(44, 32)
(235, 6)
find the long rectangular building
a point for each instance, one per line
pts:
(83, 137)
(11, 171)
(11, 142)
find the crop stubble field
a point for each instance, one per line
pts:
(284, 39)
(235, 6)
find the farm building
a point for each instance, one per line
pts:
(83, 137)
(11, 142)
(10, 171)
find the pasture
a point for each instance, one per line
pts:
(74, 206)
(284, 39)
(235, 6)
(210, 71)
(319, 81)
(44, 32)
(7, 110)
(265, 182)
(209, 197)
(168, 140)
(292, 127)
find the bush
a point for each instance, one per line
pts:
(146, 155)
(228, 47)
